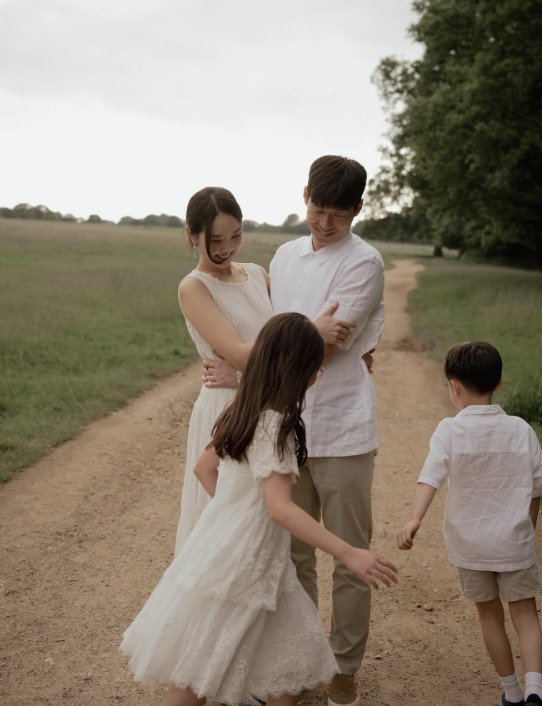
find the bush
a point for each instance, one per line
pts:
(525, 401)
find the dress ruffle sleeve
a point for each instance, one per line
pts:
(262, 453)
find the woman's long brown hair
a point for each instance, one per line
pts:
(287, 353)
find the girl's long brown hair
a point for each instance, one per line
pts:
(287, 352)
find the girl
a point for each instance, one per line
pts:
(229, 616)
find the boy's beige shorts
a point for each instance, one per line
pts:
(481, 586)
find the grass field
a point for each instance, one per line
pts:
(460, 301)
(89, 319)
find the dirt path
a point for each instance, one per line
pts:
(86, 533)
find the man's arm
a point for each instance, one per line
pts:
(359, 290)
(219, 373)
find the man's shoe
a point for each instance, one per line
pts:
(505, 702)
(342, 691)
(533, 700)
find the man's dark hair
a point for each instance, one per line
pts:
(476, 364)
(336, 182)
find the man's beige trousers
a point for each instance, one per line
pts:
(337, 490)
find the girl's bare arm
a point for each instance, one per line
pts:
(206, 470)
(282, 510)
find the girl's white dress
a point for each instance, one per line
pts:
(229, 616)
(247, 307)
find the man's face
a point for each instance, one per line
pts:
(328, 225)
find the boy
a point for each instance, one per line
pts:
(493, 463)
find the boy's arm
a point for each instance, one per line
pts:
(434, 472)
(206, 470)
(424, 497)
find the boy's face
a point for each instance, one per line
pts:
(328, 225)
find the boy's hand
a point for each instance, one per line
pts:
(405, 536)
(371, 567)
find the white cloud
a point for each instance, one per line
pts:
(129, 106)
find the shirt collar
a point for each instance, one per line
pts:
(481, 409)
(327, 251)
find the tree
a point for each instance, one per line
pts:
(291, 220)
(465, 141)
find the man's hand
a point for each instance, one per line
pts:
(218, 373)
(332, 330)
(369, 360)
(405, 536)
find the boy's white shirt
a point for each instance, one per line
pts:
(340, 414)
(493, 463)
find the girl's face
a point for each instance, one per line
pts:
(226, 239)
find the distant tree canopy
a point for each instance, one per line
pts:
(162, 220)
(465, 161)
(292, 223)
(42, 213)
(24, 210)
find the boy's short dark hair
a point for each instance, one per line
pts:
(336, 182)
(476, 364)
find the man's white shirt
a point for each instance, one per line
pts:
(340, 413)
(493, 464)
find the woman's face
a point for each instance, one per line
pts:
(226, 239)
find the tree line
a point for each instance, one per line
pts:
(291, 224)
(24, 210)
(463, 165)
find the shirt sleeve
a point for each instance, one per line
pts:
(262, 454)
(359, 290)
(437, 464)
(535, 453)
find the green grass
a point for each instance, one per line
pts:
(89, 319)
(460, 301)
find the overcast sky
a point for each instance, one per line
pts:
(126, 107)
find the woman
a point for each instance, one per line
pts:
(225, 304)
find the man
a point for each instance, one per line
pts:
(308, 275)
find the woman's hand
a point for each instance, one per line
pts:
(219, 373)
(333, 331)
(370, 567)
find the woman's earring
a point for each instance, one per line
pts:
(194, 250)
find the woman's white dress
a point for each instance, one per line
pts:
(229, 616)
(247, 307)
